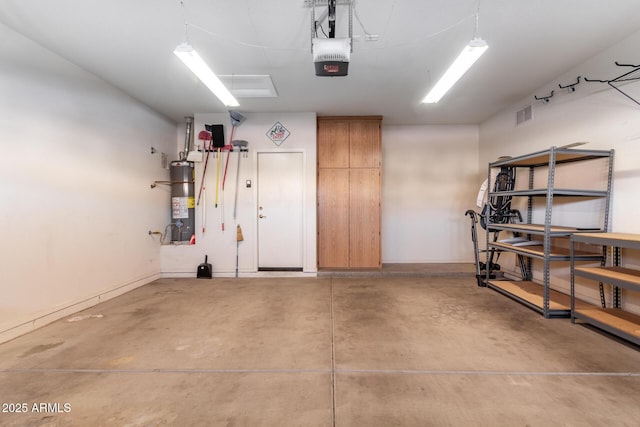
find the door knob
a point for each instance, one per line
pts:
(262, 216)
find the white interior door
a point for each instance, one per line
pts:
(280, 201)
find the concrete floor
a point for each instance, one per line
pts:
(343, 351)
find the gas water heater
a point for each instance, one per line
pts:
(183, 204)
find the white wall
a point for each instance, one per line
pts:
(429, 179)
(595, 113)
(182, 261)
(75, 172)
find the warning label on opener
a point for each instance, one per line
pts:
(180, 207)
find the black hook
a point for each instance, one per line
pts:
(629, 75)
(626, 65)
(544, 99)
(571, 87)
(596, 80)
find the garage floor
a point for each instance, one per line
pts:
(343, 351)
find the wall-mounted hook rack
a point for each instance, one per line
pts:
(545, 99)
(571, 87)
(626, 77)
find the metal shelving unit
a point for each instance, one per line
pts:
(540, 296)
(609, 317)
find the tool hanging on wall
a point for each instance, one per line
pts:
(205, 137)
(204, 212)
(217, 135)
(228, 148)
(236, 120)
(239, 238)
(242, 151)
(217, 177)
(222, 204)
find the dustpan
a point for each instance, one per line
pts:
(204, 270)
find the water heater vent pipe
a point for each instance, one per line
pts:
(187, 138)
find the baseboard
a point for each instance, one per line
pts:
(39, 320)
(241, 274)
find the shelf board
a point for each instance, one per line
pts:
(555, 253)
(541, 158)
(613, 320)
(542, 192)
(626, 240)
(554, 230)
(531, 295)
(617, 276)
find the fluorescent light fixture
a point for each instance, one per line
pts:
(465, 60)
(191, 59)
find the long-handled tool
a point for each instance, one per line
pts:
(228, 149)
(205, 136)
(217, 138)
(242, 151)
(217, 178)
(239, 238)
(204, 212)
(236, 120)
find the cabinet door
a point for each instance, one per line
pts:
(364, 218)
(333, 218)
(364, 144)
(333, 144)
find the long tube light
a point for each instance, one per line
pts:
(191, 59)
(465, 60)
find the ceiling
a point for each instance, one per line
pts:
(130, 45)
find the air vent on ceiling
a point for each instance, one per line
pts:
(524, 115)
(249, 86)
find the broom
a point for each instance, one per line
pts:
(239, 238)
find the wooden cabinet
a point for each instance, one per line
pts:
(364, 217)
(333, 218)
(364, 144)
(333, 144)
(349, 157)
